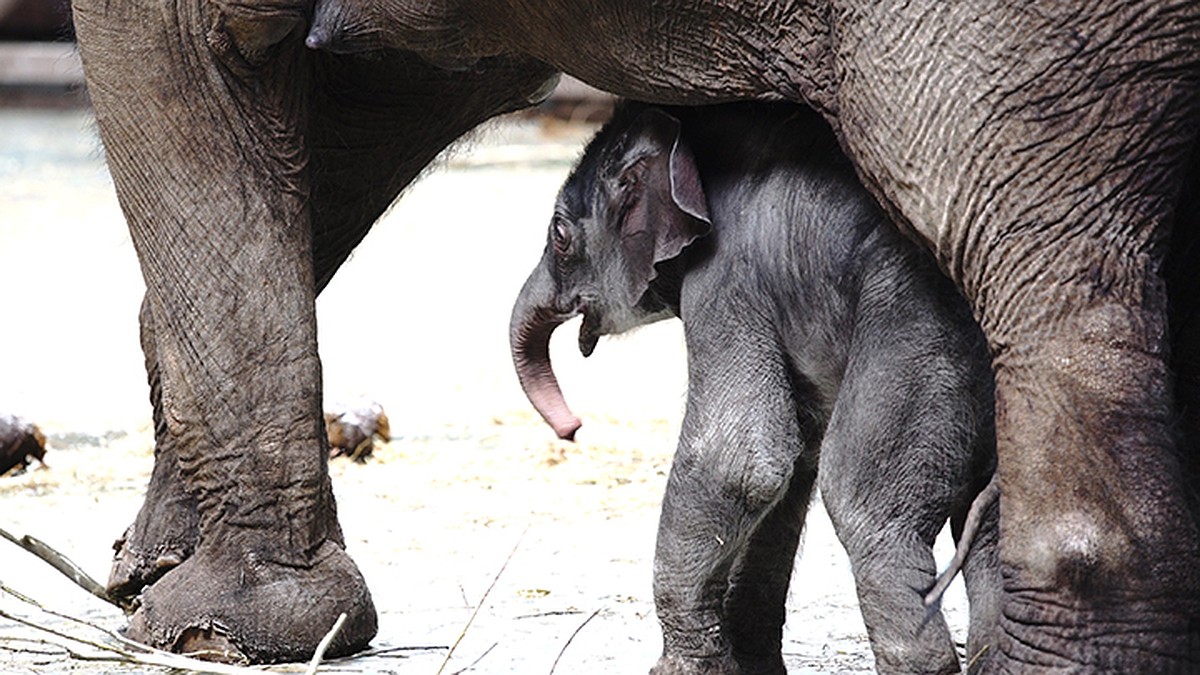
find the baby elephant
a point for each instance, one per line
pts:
(822, 346)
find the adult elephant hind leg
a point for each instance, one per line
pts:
(206, 150)
(1071, 132)
(1098, 545)
(1098, 540)
(167, 526)
(1094, 518)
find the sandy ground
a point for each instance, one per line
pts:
(416, 320)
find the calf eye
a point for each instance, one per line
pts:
(562, 237)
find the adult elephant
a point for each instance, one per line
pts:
(1039, 150)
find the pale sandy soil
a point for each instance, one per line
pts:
(416, 320)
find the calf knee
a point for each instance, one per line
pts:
(764, 482)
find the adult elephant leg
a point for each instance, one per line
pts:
(233, 134)
(1183, 290)
(165, 531)
(1096, 532)
(202, 108)
(1045, 200)
(378, 122)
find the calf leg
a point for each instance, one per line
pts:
(892, 560)
(756, 602)
(893, 465)
(734, 464)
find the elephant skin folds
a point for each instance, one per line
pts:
(243, 607)
(231, 355)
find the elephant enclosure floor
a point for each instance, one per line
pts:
(416, 320)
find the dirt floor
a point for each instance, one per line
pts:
(416, 320)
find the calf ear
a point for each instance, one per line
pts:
(659, 198)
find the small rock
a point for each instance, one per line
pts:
(352, 429)
(21, 442)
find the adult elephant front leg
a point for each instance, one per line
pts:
(202, 107)
(1046, 201)
(376, 123)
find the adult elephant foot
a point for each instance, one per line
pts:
(228, 604)
(163, 536)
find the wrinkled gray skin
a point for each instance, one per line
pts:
(1038, 149)
(248, 168)
(823, 349)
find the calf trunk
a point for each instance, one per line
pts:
(534, 319)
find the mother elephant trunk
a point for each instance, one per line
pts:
(534, 319)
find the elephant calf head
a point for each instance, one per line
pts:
(628, 211)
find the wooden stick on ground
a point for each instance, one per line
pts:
(68, 568)
(479, 658)
(568, 642)
(482, 602)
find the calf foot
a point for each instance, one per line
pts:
(709, 665)
(226, 604)
(761, 664)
